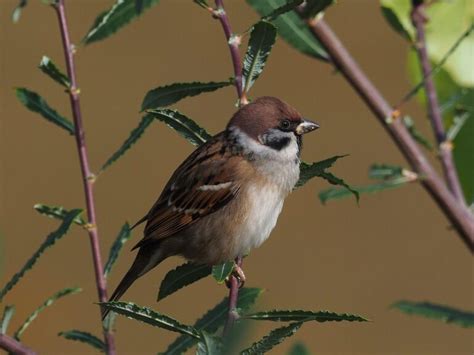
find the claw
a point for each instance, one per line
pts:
(238, 273)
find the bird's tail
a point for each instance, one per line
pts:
(147, 258)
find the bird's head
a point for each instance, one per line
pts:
(271, 122)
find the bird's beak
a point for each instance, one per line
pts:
(306, 126)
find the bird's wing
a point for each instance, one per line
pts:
(206, 181)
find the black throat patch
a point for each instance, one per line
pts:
(277, 143)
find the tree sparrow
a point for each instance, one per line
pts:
(225, 198)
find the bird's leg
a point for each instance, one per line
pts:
(239, 274)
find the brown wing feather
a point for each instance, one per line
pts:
(205, 182)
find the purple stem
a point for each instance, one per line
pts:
(233, 41)
(445, 148)
(87, 175)
(458, 214)
(13, 346)
(232, 314)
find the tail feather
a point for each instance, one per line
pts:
(146, 260)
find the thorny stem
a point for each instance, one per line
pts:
(13, 346)
(233, 41)
(458, 214)
(87, 175)
(418, 18)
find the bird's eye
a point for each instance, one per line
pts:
(285, 124)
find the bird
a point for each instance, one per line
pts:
(225, 198)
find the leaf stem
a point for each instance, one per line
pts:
(87, 176)
(419, 19)
(233, 41)
(457, 213)
(13, 346)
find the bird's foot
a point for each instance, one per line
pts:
(238, 273)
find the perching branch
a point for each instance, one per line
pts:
(418, 18)
(13, 346)
(87, 176)
(458, 214)
(233, 41)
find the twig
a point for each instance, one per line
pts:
(232, 314)
(233, 41)
(418, 18)
(87, 176)
(14, 346)
(458, 214)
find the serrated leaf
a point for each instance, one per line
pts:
(8, 313)
(436, 311)
(385, 171)
(57, 212)
(151, 317)
(119, 15)
(123, 236)
(291, 28)
(183, 275)
(50, 69)
(213, 319)
(167, 95)
(16, 14)
(46, 304)
(335, 193)
(416, 135)
(304, 316)
(183, 125)
(274, 338)
(134, 136)
(84, 337)
(299, 349)
(289, 6)
(209, 345)
(262, 38)
(222, 271)
(51, 239)
(36, 103)
(315, 7)
(308, 171)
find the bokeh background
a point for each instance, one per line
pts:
(341, 257)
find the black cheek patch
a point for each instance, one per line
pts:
(277, 143)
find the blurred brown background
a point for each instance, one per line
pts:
(342, 257)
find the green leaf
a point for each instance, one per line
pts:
(50, 69)
(17, 11)
(458, 122)
(397, 14)
(202, 3)
(119, 15)
(315, 7)
(222, 271)
(51, 239)
(46, 304)
(271, 340)
(123, 236)
(299, 349)
(335, 193)
(436, 311)
(185, 126)
(134, 136)
(213, 319)
(416, 135)
(209, 345)
(151, 317)
(289, 6)
(167, 95)
(37, 104)
(8, 313)
(385, 171)
(304, 316)
(291, 28)
(84, 337)
(182, 276)
(308, 171)
(262, 39)
(57, 212)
